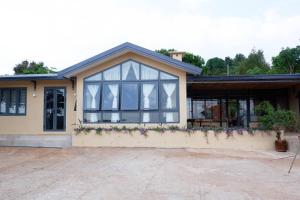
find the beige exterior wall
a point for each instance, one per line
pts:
(147, 61)
(32, 122)
(258, 141)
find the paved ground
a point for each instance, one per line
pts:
(128, 173)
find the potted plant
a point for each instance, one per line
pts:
(284, 120)
(279, 121)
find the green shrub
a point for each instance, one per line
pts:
(272, 119)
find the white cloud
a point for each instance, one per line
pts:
(61, 33)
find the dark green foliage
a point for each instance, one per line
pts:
(187, 57)
(255, 63)
(215, 66)
(193, 59)
(265, 113)
(26, 67)
(165, 52)
(275, 120)
(287, 61)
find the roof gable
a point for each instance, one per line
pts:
(129, 47)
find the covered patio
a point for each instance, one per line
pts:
(229, 101)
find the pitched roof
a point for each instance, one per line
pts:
(125, 47)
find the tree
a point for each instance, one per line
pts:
(26, 67)
(255, 63)
(238, 59)
(193, 59)
(215, 66)
(165, 52)
(187, 57)
(287, 61)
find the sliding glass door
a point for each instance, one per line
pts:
(54, 109)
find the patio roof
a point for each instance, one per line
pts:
(245, 78)
(274, 81)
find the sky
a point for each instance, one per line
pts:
(64, 32)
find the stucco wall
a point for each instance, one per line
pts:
(32, 122)
(258, 141)
(147, 61)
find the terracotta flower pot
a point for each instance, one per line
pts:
(281, 145)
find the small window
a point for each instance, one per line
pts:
(169, 96)
(12, 101)
(165, 76)
(113, 117)
(130, 117)
(112, 74)
(150, 117)
(92, 117)
(130, 71)
(149, 73)
(92, 96)
(149, 96)
(110, 96)
(170, 117)
(130, 96)
(96, 77)
(22, 102)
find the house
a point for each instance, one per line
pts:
(129, 85)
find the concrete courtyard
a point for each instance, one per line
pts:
(141, 173)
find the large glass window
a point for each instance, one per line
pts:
(206, 110)
(128, 93)
(130, 96)
(12, 101)
(110, 96)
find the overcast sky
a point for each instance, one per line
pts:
(63, 32)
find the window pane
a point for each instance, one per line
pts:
(148, 73)
(149, 97)
(198, 109)
(111, 117)
(130, 117)
(96, 77)
(253, 104)
(22, 102)
(150, 117)
(112, 73)
(189, 108)
(212, 110)
(170, 117)
(4, 101)
(60, 109)
(92, 117)
(13, 102)
(130, 97)
(110, 97)
(92, 96)
(130, 71)
(169, 96)
(49, 112)
(166, 76)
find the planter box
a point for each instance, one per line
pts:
(258, 141)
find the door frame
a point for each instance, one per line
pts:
(44, 111)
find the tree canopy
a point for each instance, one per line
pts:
(215, 66)
(26, 67)
(187, 57)
(287, 61)
(255, 63)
